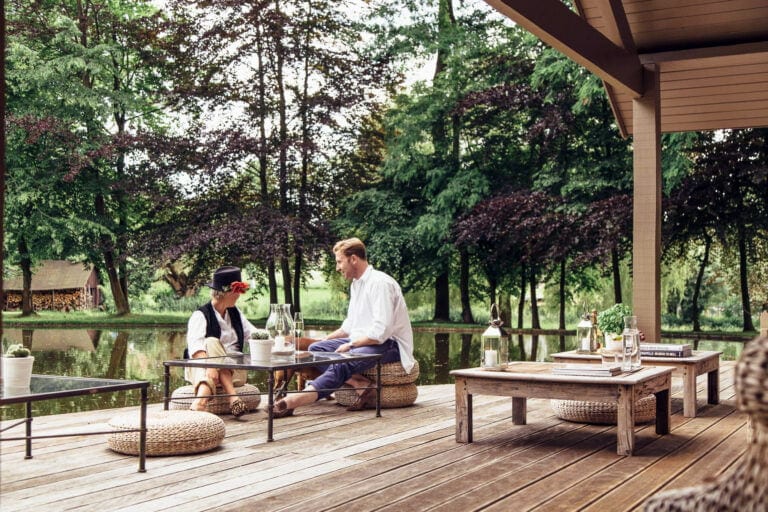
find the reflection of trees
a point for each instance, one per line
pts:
(442, 365)
(138, 354)
(118, 356)
(466, 346)
(26, 338)
(534, 347)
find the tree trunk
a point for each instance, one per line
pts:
(285, 268)
(505, 311)
(616, 276)
(272, 282)
(119, 295)
(561, 293)
(493, 287)
(297, 264)
(466, 306)
(745, 307)
(442, 298)
(697, 287)
(521, 302)
(25, 262)
(535, 324)
(442, 152)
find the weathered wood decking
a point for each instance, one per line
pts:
(325, 458)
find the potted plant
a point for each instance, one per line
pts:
(17, 367)
(611, 324)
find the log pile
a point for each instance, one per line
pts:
(60, 300)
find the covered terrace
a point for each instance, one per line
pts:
(667, 66)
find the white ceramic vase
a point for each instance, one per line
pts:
(17, 371)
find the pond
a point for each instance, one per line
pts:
(138, 354)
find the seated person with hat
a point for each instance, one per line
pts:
(213, 330)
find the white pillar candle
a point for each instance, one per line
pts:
(491, 358)
(585, 344)
(279, 342)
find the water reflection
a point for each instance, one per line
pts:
(138, 354)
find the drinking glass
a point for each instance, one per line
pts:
(298, 325)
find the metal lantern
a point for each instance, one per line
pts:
(494, 344)
(586, 337)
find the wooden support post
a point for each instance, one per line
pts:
(646, 224)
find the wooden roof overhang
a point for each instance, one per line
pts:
(712, 55)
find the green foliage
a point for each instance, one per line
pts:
(611, 320)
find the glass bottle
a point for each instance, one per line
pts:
(272, 321)
(630, 339)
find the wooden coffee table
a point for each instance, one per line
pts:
(701, 362)
(523, 380)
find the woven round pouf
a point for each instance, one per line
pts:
(394, 374)
(602, 413)
(182, 398)
(168, 433)
(401, 395)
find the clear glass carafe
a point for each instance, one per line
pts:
(280, 328)
(630, 344)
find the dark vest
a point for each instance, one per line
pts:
(212, 328)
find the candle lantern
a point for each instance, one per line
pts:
(494, 354)
(586, 336)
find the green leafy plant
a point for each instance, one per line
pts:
(611, 320)
(260, 334)
(17, 350)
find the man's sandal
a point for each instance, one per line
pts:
(281, 410)
(238, 408)
(362, 400)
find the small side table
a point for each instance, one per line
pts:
(701, 362)
(47, 387)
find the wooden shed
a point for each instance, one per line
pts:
(57, 285)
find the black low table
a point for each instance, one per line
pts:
(299, 360)
(49, 387)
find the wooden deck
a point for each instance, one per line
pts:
(325, 458)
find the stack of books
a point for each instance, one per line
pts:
(665, 350)
(588, 370)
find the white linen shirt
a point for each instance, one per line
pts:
(377, 310)
(196, 327)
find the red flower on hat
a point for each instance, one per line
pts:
(236, 286)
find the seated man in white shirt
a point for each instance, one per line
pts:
(377, 322)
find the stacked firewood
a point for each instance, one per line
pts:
(58, 301)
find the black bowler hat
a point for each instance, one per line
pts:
(224, 276)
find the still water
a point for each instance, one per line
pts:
(138, 354)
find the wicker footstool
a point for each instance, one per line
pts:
(398, 389)
(182, 398)
(602, 413)
(168, 433)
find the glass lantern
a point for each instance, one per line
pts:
(586, 336)
(494, 345)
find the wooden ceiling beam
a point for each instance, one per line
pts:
(558, 26)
